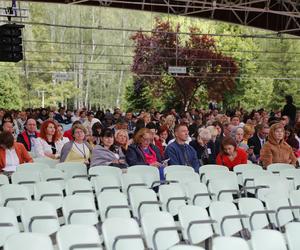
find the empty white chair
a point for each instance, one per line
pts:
(79, 186)
(78, 237)
(265, 239)
(185, 247)
(229, 221)
(26, 178)
(254, 208)
(294, 199)
(174, 168)
(240, 168)
(34, 166)
(143, 201)
(122, 234)
(105, 170)
(208, 168)
(196, 224)
(39, 217)
(160, 230)
(172, 197)
(8, 223)
(3, 180)
(248, 177)
(106, 182)
(53, 175)
(49, 191)
(293, 175)
(112, 204)
(28, 241)
(130, 181)
(80, 209)
(149, 174)
(46, 160)
(73, 169)
(292, 235)
(13, 196)
(198, 194)
(183, 177)
(229, 243)
(277, 167)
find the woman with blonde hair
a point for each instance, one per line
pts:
(122, 139)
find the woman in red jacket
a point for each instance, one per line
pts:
(12, 153)
(230, 154)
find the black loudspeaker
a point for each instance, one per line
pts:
(11, 43)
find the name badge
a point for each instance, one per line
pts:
(209, 151)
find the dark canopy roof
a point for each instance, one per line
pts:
(276, 15)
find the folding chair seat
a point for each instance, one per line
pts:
(3, 180)
(248, 178)
(229, 220)
(292, 175)
(50, 192)
(183, 177)
(143, 201)
(172, 197)
(149, 174)
(113, 204)
(275, 168)
(224, 186)
(175, 168)
(73, 169)
(257, 214)
(198, 194)
(122, 234)
(34, 166)
(208, 168)
(53, 175)
(160, 230)
(84, 237)
(239, 169)
(8, 223)
(79, 186)
(39, 217)
(13, 195)
(185, 247)
(131, 181)
(28, 241)
(106, 182)
(229, 243)
(80, 209)
(105, 170)
(266, 239)
(46, 160)
(196, 224)
(26, 178)
(292, 235)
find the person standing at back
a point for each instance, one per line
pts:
(289, 110)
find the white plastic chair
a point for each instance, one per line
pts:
(229, 220)
(292, 235)
(292, 175)
(143, 201)
(265, 239)
(149, 174)
(229, 243)
(28, 241)
(73, 169)
(79, 186)
(113, 204)
(8, 223)
(131, 181)
(172, 197)
(294, 199)
(78, 237)
(185, 247)
(160, 230)
(39, 217)
(26, 178)
(183, 177)
(50, 192)
(275, 168)
(34, 166)
(208, 168)
(196, 224)
(105, 170)
(46, 160)
(53, 175)
(106, 182)
(198, 194)
(80, 209)
(13, 195)
(174, 168)
(3, 180)
(122, 234)
(239, 170)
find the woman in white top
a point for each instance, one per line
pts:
(63, 139)
(49, 143)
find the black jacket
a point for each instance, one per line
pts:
(255, 141)
(135, 156)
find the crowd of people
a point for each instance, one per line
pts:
(123, 139)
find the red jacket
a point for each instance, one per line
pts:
(68, 134)
(21, 153)
(241, 158)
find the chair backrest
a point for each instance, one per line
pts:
(73, 169)
(194, 223)
(183, 177)
(79, 186)
(39, 217)
(240, 168)
(28, 241)
(80, 209)
(53, 175)
(292, 174)
(277, 167)
(46, 160)
(156, 238)
(198, 194)
(150, 175)
(172, 197)
(106, 182)
(219, 210)
(143, 201)
(185, 247)
(295, 201)
(208, 168)
(292, 235)
(229, 243)
(105, 170)
(13, 195)
(26, 178)
(173, 168)
(265, 239)
(122, 234)
(130, 181)
(216, 174)
(113, 204)
(78, 237)
(3, 180)
(8, 223)
(34, 166)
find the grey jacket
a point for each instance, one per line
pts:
(67, 148)
(103, 156)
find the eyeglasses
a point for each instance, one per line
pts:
(146, 139)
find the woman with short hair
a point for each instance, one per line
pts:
(122, 139)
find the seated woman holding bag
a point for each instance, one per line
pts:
(107, 153)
